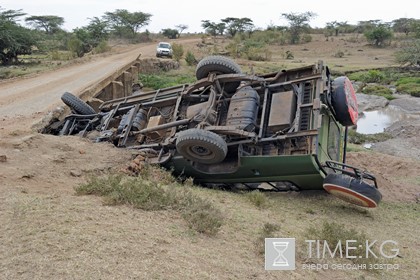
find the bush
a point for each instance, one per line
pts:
(410, 53)
(178, 51)
(258, 54)
(102, 47)
(190, 59)
(258, 199)
(306, 38)
(339, 54)
(288, 55)
(379, 36)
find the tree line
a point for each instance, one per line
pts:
(45, 32)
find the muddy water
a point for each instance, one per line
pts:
(371, 122)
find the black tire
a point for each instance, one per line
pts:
(352, 190)
(201, 146)
(218, 65)
(77, 105)
(344, 101)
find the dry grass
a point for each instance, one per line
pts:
(149, 194)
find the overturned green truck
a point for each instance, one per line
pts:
(286, 130)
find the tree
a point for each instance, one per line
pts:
(415, 26)
(181, 28)
(235, 25)
(298, 24)
(170, 33)
(15, 40)
(85, 39)
(336, 26)
(410, 53)
(379, 35)
(50, 24)
(403, 25)
(210, 27)
(98, 29)
(122, 20)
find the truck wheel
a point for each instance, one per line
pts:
(76, 104)
(201, 146)
(344, 101)
(218, 65)
(352, 190)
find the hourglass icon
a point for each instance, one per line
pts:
(280, 247)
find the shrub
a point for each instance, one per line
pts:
(306, 38)
(102, 47)
(258, 199)
(288, 55)
(190, 59)
(339, 54)
(379, 36)
(178, 51)
(258, 54)
(410, 53)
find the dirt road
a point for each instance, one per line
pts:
(39, 93)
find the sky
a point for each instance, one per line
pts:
(169, 13)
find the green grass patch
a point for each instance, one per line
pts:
(409, 85)
(157, 81)
(370, 76)
(149, 194)
(378, 90)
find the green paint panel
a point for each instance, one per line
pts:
(302, 170)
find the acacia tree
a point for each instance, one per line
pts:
(50, 24)
(15, 40)
(235, 25)
(213, 28)
(403, 25)
(122, 20)
(299, 23)
(181, 28)
(98, 29)
(336, 26)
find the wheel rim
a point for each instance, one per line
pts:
(198, 151)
